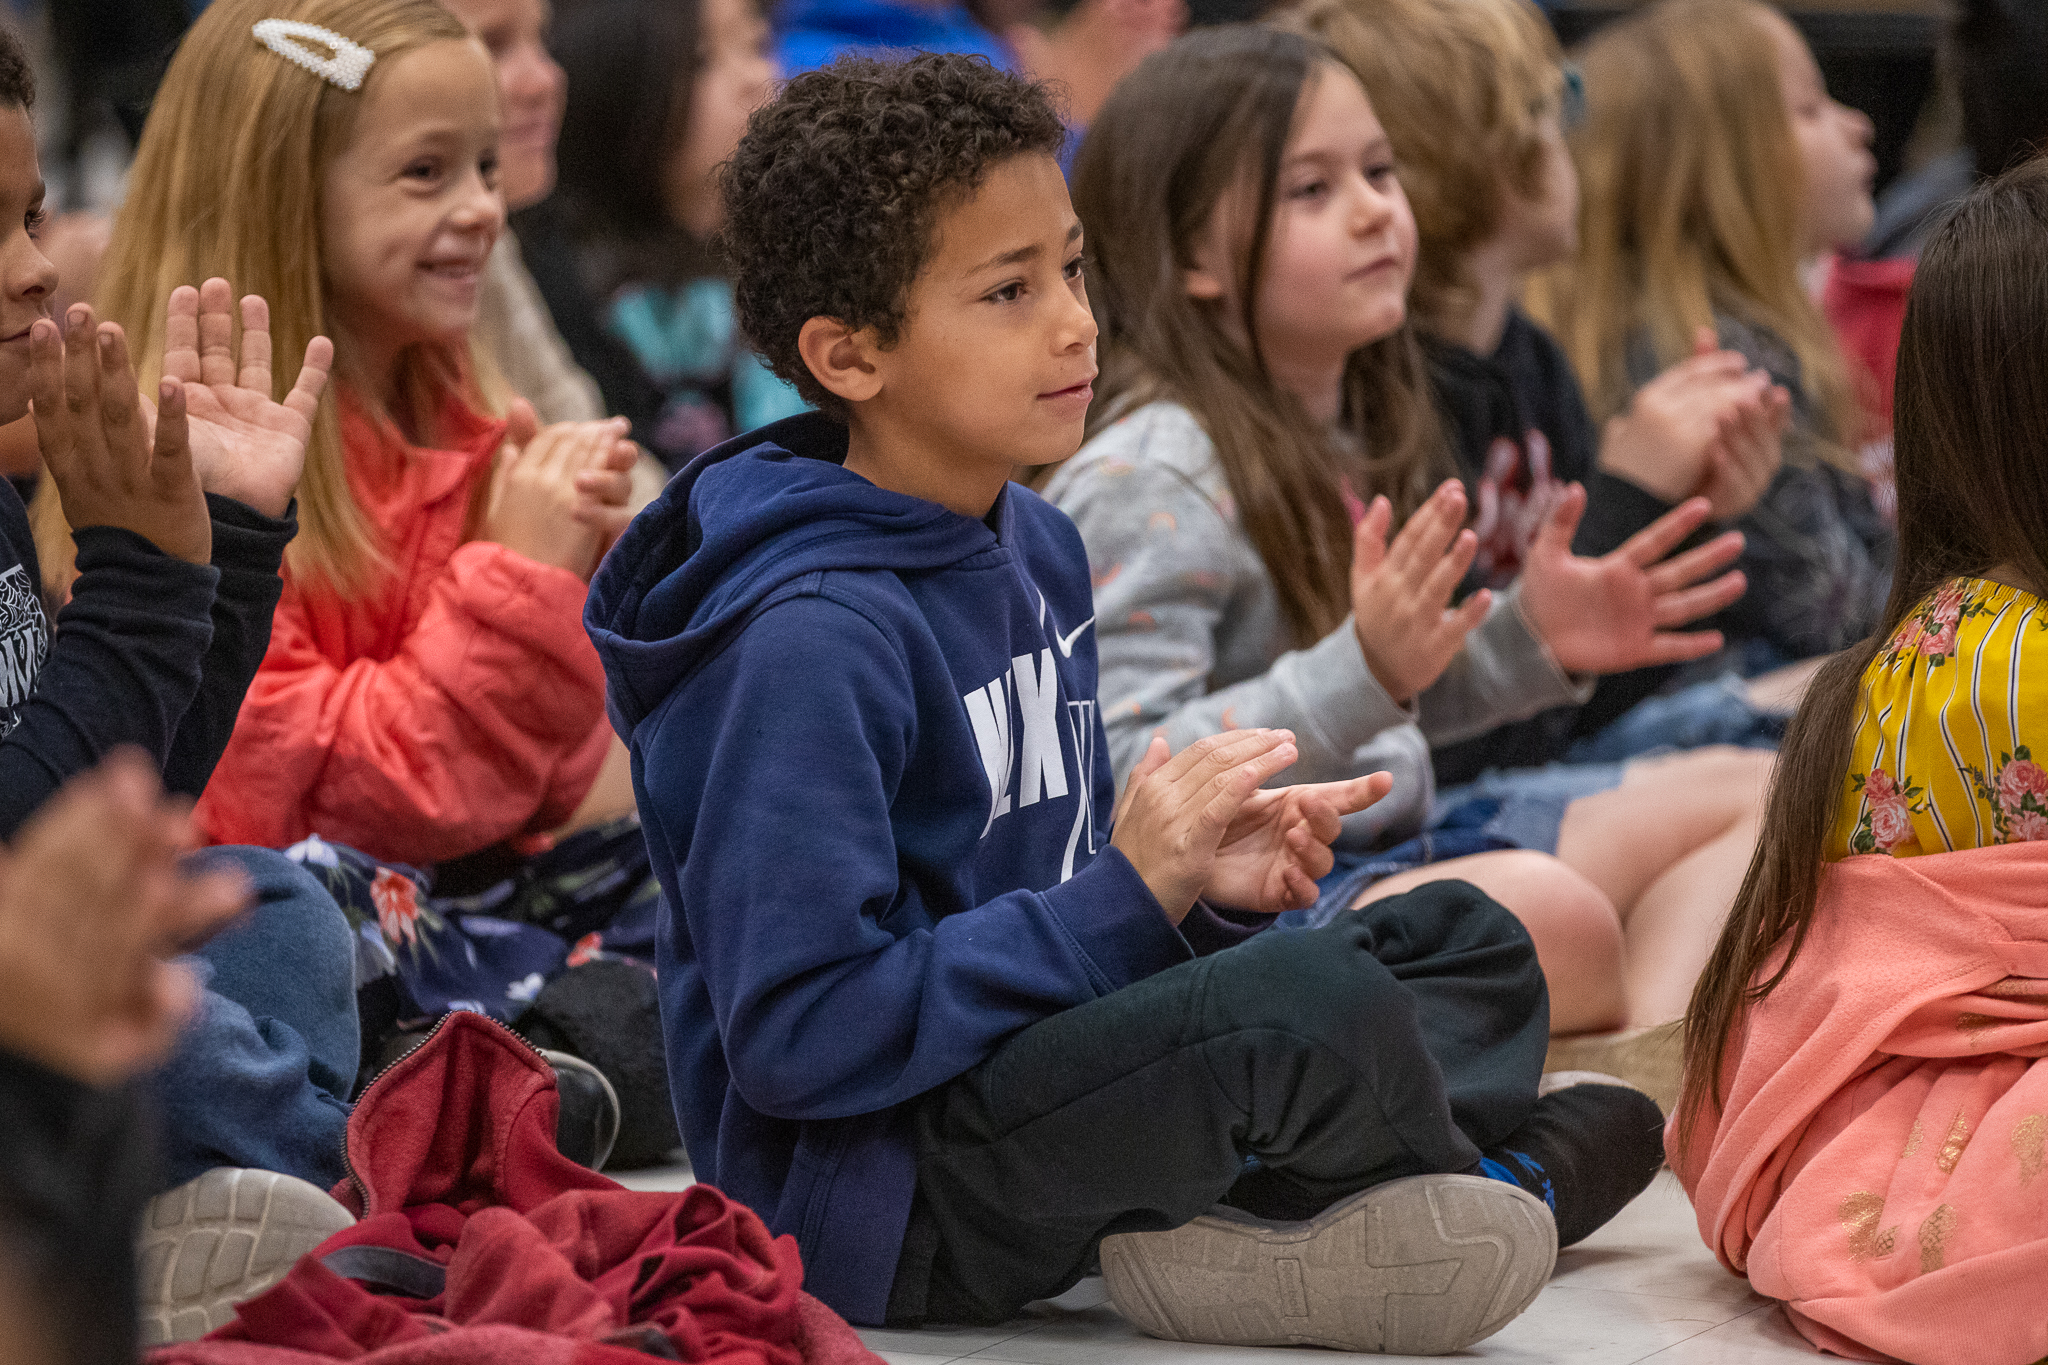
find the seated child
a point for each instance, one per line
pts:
(929, 1007)
(426, 693)
(1475, 98)
(1252, 402)
(1862, 1128)
(183, 514)
(1713, 166)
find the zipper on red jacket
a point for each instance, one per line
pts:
(362, 1190)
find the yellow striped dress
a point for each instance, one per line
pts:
(1942, 759)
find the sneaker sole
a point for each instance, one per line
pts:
(214, 1242)
(1420, 1266)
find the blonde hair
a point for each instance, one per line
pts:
(1462, 88)
(227, 182)
(1691, 190)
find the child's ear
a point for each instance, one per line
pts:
(840, 358)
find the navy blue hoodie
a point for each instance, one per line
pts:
(873, 780)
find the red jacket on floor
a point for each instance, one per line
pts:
(530, 1257)
(453, 704)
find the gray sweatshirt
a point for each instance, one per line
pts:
(1192, 641)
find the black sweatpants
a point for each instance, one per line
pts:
(1279, 1075)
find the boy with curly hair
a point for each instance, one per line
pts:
(928, 1007)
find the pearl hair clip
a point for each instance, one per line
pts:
(288, 38)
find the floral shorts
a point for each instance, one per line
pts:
(591, 896)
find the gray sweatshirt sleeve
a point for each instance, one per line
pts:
(1503, 674)
(1174, 584)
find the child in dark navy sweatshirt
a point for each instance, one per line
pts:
(928, 1006)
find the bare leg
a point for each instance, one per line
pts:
(1577, 933)
(1669, 847)
(1781, 690)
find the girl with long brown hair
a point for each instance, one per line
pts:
(1252, 256)
(1712, 166)
(1861, 1123)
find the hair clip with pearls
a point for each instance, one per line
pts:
(348, 63)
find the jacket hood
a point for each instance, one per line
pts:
(740, 522)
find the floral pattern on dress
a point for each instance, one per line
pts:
(2017, 793)
(1887, 822)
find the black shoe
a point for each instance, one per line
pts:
(1585, 1151)
(589, 1121)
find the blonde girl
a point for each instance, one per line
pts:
(1712, 165)
(427, 691)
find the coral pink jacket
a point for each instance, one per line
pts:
(454, 704)
(1878, 1162)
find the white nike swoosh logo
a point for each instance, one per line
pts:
(1066, 642)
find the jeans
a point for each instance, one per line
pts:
(1280, 1076)
(262, 1074)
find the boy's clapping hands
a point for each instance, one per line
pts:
(93, 902)
(116, 460)
(1198, 823)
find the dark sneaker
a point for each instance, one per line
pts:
(1589, 1146)
(1420, 1266)
(223, 1238)
(588, 1124)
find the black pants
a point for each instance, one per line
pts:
(1398, 1040)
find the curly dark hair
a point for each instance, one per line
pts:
(17, 77)
(832, 194)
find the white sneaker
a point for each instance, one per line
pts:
(213, 1242)
(1419, 1266)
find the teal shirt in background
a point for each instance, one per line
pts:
(688, 342)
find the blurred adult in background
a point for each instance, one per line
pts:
(1085, 47)
(513, 326)
(659, 93)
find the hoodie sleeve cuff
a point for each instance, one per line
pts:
(1113, 918)
(1615, 510)
(1341, 705)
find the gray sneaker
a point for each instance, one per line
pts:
(213, 1242)
(1420, 1266)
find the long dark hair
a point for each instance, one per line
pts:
(1210, 112)
(1970, 429)
(632, 67)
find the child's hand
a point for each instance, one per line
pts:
(1177, 809)
(606, 489)
(535, 507)
(246, 446)
(1399, 595)
(92, 900)
(1612, 614)
(1708, 426)
(95, 438)
(1279, 844)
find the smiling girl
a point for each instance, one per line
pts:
(428, 690)
(1260, 382)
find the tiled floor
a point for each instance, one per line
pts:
(1643, 1288)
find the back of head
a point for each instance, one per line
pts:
(834, 194)
(631, 66)
(1691, 190)
(1205, 118)
(2000, 51)
(1970, 424)
(227, 181)
(1462, 87)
